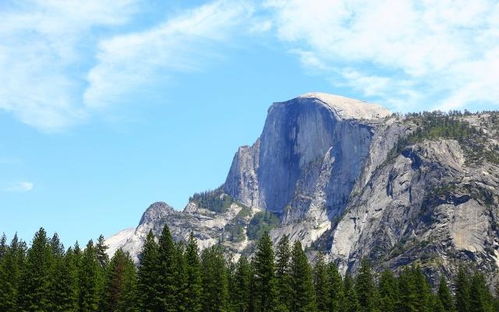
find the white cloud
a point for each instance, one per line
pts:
(19, 187)
(184, 43)
(443, 51)
(43, 45)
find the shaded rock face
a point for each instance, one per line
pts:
(333, 172)
(304, 143)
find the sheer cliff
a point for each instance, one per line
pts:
(352, 180)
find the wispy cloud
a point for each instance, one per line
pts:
(20, 187)
(400, 51)
(43, 49)
(61, 60)
(182, 44)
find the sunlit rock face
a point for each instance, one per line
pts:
(325, 171)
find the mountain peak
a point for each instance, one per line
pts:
(348, 108)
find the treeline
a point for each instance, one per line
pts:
(177, 277)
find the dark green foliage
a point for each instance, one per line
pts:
(100, 252)
(322, 285)
(167, 286)
(11, 266)
(120, 293)
(89, 280)
(35, 279)
(462, 291)
(260, 223)
(265, 295)
(336, 287)
(215, 200)
(215, 296)
(192, 301)
(172, 277)
(350, 300)
(366, 289)
(445, 296)
(148, 277)
(241, 289)
(303, 297)
(283, 275)
(480, 297)
(388, 292)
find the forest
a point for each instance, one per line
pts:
(174, 276)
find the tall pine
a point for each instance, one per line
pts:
(215, 296)
(444, 295)
(88, 280)
(366, 288)
(462, 294)
(388, 292)
(303, 299)
(120, 285)
(264, 276)
(322, 285)
(283, 275)
(149, 299)
(35, 290)
(337, 295)
(11, 267)
(192, 300)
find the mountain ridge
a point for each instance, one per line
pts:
(398, 190)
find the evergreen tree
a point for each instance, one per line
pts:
(462, 291)
(88, 280)
(35, 280)
(322, 285)
(388, 292)
(120, 288)
(480, 298)
(180, 277)
(350, 301)
(100, 251)
(423, 291)
(148, 277)
(366, 288)
(283, 276)
(64, 279)
(242, 286)
(193, 273)
(337, 294)
(11, 266)
(303, 299)
(264, 275)
(445, 296)
(407, 292)
(167, 286)
(3, 246)
(214, 280)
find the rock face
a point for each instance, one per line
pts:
(350, 179)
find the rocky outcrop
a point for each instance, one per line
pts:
(350, 179)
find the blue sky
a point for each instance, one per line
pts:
(108, 106)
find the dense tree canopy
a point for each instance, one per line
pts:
(173, 276)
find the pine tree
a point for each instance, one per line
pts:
(180, 277)
(100, 251)
(193, 274)
(336, 287)
(462, 291)
(423, 291)
(11, 266)
(3, 246)
(63, 287)
(303, 299)
(35, 279)
(215, 294)
(445, 296)
(366, 288)
(148, 277)
(167, 286)
(265, 282)
(88, 280)
(388, 292)
(407, 292)
(241, 291)
(322, 285)
(120, 288)
(480, 298)
(350, 301)
(283, 276)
